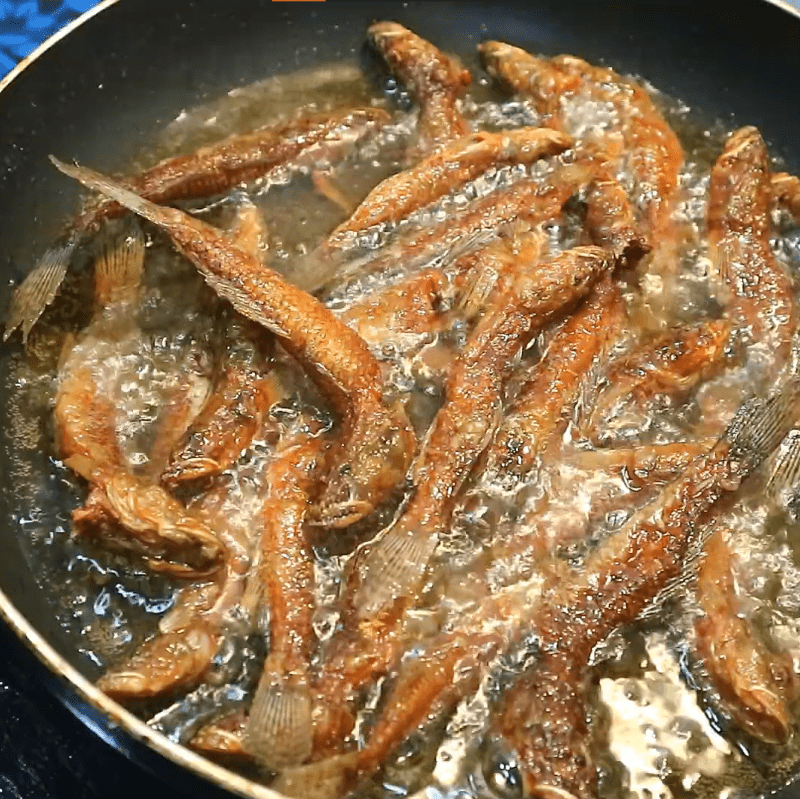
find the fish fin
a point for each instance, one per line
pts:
(115, 190)
(240, 300)
(119, 269)
(38, 289)
(279, 729)
(157, 214)
(325, 779)
(785, 468)
(760, 425)
(393, 568)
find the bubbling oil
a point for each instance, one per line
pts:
(660, 732)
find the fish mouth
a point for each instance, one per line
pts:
(341, 514)
(188, 470)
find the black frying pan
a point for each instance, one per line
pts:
(99, 92)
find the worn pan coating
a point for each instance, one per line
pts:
(99, 89)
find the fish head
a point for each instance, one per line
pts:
(375, 463)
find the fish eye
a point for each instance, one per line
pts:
(500, 771)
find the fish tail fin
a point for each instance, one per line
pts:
(113, 189)
(394, 567)
(279, 729)
(38, 289)
(325, 779)
(785, 468)
(760, 425)
(119, 269)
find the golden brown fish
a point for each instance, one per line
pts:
(436, 81)
(574, 611)
(181, 652)
(443, 172)
(756, 685)
(395, 564)
(672, 364)
(376, 442)
(760, 295)
(122, 510)
(409, 309)
(279, 730)
(554, 383)
(208, 171)
(528, 201)
(645, 138)
(234, 412)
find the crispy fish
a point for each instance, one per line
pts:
(233, 413)
(376, 443)
(569, 612)
(436, 80)
(756, 685)
(395, 564)
(279, 731)
(446, 170)
(760, 295)
(189, 636)
(553, 385)
(208, 171)
(672, 364)
(122, 510)
(530, 201)
(645, 137)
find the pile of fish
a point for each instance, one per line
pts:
(496, 328)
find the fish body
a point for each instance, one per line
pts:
(463, 427)
(208, 171)
(756, 685)
(279, 730)
(646, 138)
(233, 413)
(189, 636)
(376, 443)
(553, 385)
(671, 364)
(443, 172)
(759, 293)
(528, 201)
(436, 80)
(122, 510)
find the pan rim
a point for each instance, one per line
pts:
(116, 717)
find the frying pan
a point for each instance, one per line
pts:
(109, 82)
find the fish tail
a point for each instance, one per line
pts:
(279, 729)
(785, 468)
(760, 425)
(119, 269)
(39, 289)
(394, 567)
(325, 779)
(115, 190)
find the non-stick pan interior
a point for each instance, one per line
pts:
(102, 92)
